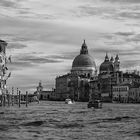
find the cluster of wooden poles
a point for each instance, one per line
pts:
(9, 99)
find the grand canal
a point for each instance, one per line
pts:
(58, 121)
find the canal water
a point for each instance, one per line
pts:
(59, 121)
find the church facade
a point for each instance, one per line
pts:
(41, 93)
(109, 75)
(75, 85)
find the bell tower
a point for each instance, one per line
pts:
(112, 59)
(106, 58)
(40, 87)
(117, 63)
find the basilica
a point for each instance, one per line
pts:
(84, 79)
(75, 84)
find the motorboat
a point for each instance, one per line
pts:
(95, 104)
(69, 101)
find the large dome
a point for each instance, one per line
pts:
(83, 60)
(83, 63)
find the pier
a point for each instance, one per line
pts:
(14, 99)
(9, 98)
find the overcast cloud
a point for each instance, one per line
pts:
(44, 36)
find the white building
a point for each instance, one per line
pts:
(121, 93)
(134, 95)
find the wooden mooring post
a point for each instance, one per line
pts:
(1, 100)
(26, 98)
(17, 91)
(4, 100)
(19, 98)
(12, 96)
(10, 99)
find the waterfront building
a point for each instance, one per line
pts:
(113, 84)
(121, 93)
(62, 89)
(45, 95)
(75, 85)
(39, 87)
(134, 95)
(42, 94)
(79, 87)
(129, 89)
(3, 67)
(109, 75)
(132, 77)
(4, 74)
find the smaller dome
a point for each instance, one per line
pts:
(106, 67)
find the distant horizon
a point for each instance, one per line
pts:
(45, 36)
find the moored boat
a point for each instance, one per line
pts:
(69, 101)
(96, 104)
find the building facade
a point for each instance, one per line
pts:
(75, 85)
(79, 87)
(134, 95)
(62, 89)
(4, 74)
(41, 93)
(121, 93)
(112, 82)
(109, 76)
(115, 84)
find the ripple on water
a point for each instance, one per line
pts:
(137, 132)
(55, 120)
(117, 119)
(4, 127)
(69, 125)
(1, 112)
(34, 123)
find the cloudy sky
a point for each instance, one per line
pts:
(44, 36)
